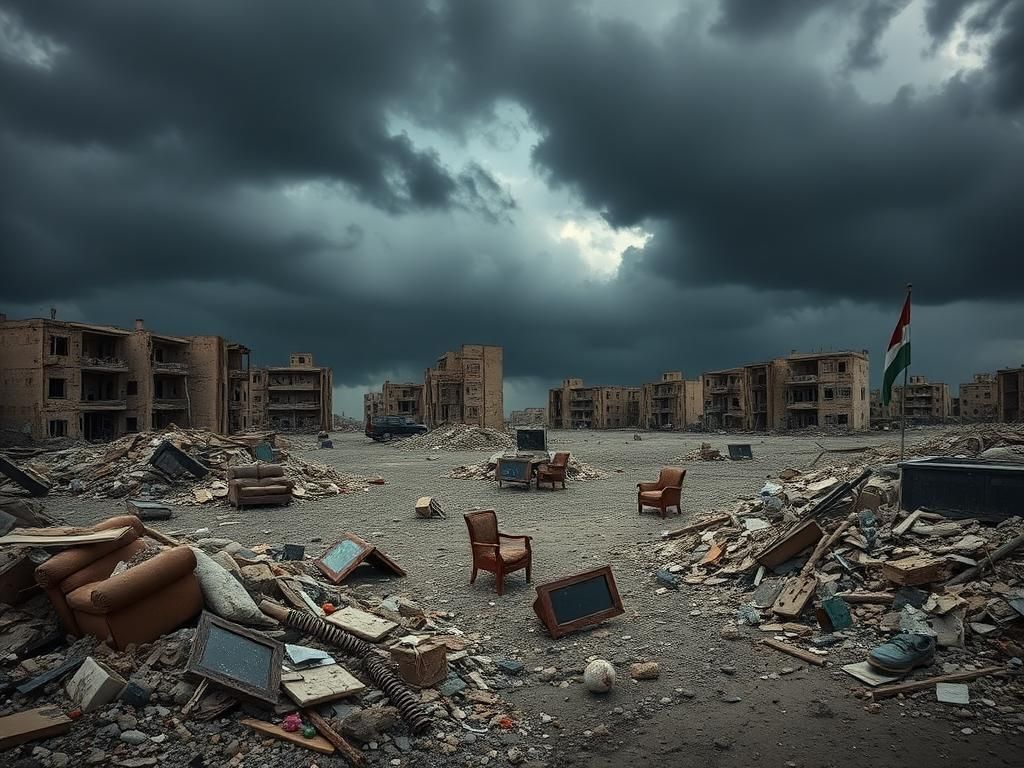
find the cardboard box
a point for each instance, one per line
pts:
(422, 663)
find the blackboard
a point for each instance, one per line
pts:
(740, 451)
(515, 470)
(531, 440)
(345, 556)
(237, 657)
(577, 601)
(581, 599)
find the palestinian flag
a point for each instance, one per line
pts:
(897, 357)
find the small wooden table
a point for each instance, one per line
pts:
(519, 468)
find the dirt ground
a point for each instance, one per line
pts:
(689, 716)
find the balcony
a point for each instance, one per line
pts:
(718, 389)
(108, 364)
(806, 378)
(103, 405)
(236, 405)
(169, 404)
(238, 373)
(304, 406)
(307, 387)
(802, 405)
(170, 369)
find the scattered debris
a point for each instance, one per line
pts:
(459, 437)
(576, 470)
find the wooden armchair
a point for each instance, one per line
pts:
(554, 471)
(666, 492)
(489, 551)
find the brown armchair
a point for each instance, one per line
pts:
(490, 553)
(553, 471)
(136, 606)
(257, 484)
(666, 492)
(142, 603)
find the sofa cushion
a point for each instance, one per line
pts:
(64, 564)
(251, 491)
(135, 584)
(650, 497)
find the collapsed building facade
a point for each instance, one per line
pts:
(672, 402)
(528, 416)
(296, 397)
(395, 400)
(926, 401)
(465, 387)
(98, 382)
(794, 392)
(575, 405)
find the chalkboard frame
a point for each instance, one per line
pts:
(267, 694)
(336, 577)
(370, 552)
(546, 612)
(518, 461)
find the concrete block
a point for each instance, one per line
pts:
(94, 685)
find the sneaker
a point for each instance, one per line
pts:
(903, 653)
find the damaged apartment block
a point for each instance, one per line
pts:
(404, 400)
(671, 403)
(576, 406)
(465, 387)
(97, 382)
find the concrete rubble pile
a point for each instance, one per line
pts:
(823, 565)
(122, 468)
(158, 713)
(459, 437)
(576, 470)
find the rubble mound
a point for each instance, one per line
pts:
(121, 468)
(577, 471)
(459, 437)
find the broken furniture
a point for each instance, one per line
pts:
(135, 606)
(17, 579)
(242, 659)
(739, 451)
(347, 554)
(490, 554)
(174, 462)
(428, 507)
(663, 494)
(258, 484)
(554, 471)
(514, 469)
(799, 590)
(985, 490)
(32, 724)
(141, 603)
(577, 601)
(144, 509)
(535, 439)
(31, 481)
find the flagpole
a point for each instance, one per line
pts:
(903, 398)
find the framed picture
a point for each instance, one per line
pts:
(345, 556)
(577, 601)
(237, 657)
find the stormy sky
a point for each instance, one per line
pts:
(606, 189)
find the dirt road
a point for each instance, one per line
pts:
(717, 703)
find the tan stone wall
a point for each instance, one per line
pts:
(979, 399)
(208, 382)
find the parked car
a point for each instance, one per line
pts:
(383, 428)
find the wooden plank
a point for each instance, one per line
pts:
(912, 571)
(321, 684)
(40, 723)
(55, 538)
(972, 573)
(792, 650)
(350, 753)
(908, 521)
(698, 526)
(919, 685)
(791, 544)
(868, 598)
(361, 624)
(317, 743)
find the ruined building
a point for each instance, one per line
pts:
(793, 392)
(878, 411)
(926, 401)
(97, 382)
(465, 387)
(671, 403)
(979, 398)
(395, 400)
(296, 397)
(576, 406)
(1010, 389)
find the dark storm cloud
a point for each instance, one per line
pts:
(873, 21)
(236, 167)
(765, 173)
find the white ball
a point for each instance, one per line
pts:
(599, 676)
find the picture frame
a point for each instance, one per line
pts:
(214, 635)
(547, 607)
(347, 553)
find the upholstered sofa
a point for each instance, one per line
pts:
(258, 484)
(136, 606)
